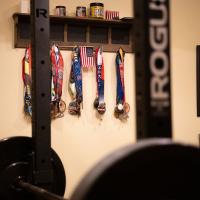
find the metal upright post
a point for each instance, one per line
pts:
(152, 63)
(41, 92)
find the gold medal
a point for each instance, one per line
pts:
(74, 108)
(62, 106)
(101, 108)
(126, 107)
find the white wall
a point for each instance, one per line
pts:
(185, 36)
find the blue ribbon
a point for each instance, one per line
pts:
(120, 85)
(77, 74)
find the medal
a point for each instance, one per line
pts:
(58, 106)
(57, 109)
(101, 108)
(74, 108)
(126, 107)
(119, 109)
(62, 106)
(75, 84)
(122, 107)
(99, 103)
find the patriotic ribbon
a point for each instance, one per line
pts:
(75, 83)
(26, 76)
(99, 103)
(77, 75)
(122, 107)
(57, 105)
(57, 72)
(120, 76)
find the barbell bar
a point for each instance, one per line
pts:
(37, 191)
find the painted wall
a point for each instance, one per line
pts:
(81, 142)
(185, 36)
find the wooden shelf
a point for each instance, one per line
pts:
(70, 31)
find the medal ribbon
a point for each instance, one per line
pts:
(57, 67)
(72, 87)
(75, 83)
(26, 76)
(120, 76)
(100, 75)
(77, 74)
(57, 73)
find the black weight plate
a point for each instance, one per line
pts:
(154, 169)
(16, 161)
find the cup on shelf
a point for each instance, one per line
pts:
(81, 11)
(97, 10)
(60, 10)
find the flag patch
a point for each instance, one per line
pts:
(87, 57)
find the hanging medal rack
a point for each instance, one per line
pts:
(68, 32)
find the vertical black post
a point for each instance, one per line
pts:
(41, 91)
(152, 63)
(198, 78)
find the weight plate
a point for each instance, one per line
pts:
(152, 169)
(16, 161)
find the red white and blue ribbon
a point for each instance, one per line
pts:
(58, 106)
(75, 83)
(122, 107)
(27, 79)
(120, 76)
(99, 103)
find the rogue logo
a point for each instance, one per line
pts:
(41, 12)
(159, 58)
